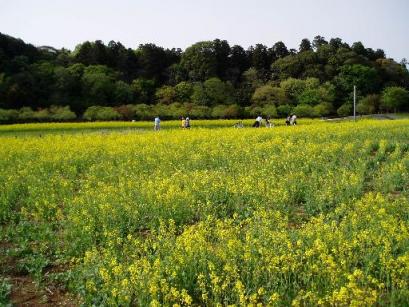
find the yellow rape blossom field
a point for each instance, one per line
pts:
(316, 214)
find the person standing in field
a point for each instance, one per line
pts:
(257, 123)
(293, 120)
(287, 120)
(156, 126)
(187, 122)
(268, 123)
(183, 122)
(259, 119)
(239, 124)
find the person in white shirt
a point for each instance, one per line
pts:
(293, 120)
(157, 124)
(187, 122)
(257, 123)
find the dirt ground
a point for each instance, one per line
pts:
(24, 290)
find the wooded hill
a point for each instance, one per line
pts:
(208, 79)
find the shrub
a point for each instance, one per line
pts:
(362, 108)
(368, 105)
(176, 109)
(198, 111)
(42, 115)
(223, 111)
(5, 291)
(218, 111)
(159, 110)
(270, 111)
(304, 110)
(310, 96)
(345, 109)
(58, 113)
(127, 112)
(232, 111)
(323, 109)
(253, 111)
(101, 113)
(8, 116)
(26, 114)
(284, 110)
(142, 111)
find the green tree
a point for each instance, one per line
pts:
(318, 42)
(222, 52)
(314, 93)
(218, 92)
(98, 84)
(394, 98)
(293, 88)
(68, 86)
(200, 61)
(143, 90)
(251, 78)
(280, 50)
(184, 91)
(199, 96)
(123, 93)
(359, 48)
(238, 64)
(305, 45)
(269, 95)
(392, 73)
(365, 78)
(44, 80)
(336, 43)
(166, 94)
(153, 62)
(287, 67)
(259, 57)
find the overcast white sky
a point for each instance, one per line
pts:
(180, 23)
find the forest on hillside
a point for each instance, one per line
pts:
(210, 79)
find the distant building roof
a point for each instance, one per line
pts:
(48, 48)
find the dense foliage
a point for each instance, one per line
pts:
(315, 214)
(319, 77)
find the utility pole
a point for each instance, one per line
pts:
(354, 102)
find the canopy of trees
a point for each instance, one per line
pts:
(316, 80)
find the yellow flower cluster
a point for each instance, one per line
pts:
(310, 215)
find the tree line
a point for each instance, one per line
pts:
(209, 79)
